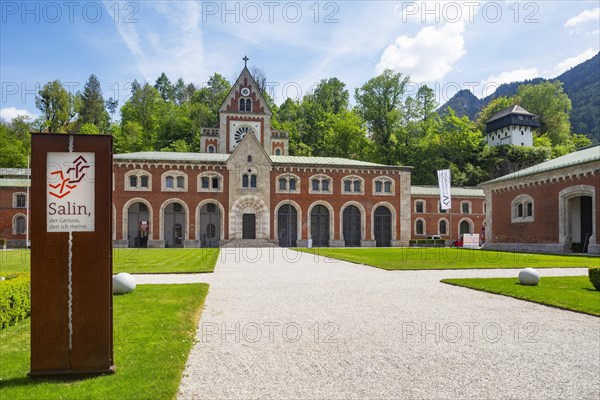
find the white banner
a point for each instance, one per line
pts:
(70, 192)
(444, 182)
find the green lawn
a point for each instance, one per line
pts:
(574, 293)
(154, 330)
(401, 258)
(135, 261)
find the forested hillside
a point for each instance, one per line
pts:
(581, 83)
(386, 125)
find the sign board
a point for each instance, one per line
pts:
(444, 183)
(71, 254)
(70, 192)
(471, 241)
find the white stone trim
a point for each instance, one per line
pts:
(210, 175)
(424, 227)
(276, 221)
(14, 224)
(287, 176)
(125, 227)
(363, 219)
(469, 221)
(352, 178)
(320, 177)
(138, 173)
(470, 210)
(522, 199)
(564, 222)
(14, 203)
(448, 227)
(221, 221)
(383, 179)
(161, 224)
(392, 210)
(249, 203)
(424, 206)
(174, 173)
(331, 218)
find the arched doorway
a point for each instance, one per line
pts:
(287, 225)
(464, 227)
(209, 225)
(319, 226)
(383, 226)
(174, 225)
(582, 228)
(351, 226)
(138, 225)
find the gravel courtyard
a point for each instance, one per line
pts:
(278, 324)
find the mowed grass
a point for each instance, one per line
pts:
(135, 261)
(574, 293)
(402, 258)
(154, 329)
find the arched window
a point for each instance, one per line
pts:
(378, 186)
(211, 149)
(245, 182)
(138, 180)
(205, 182)
(248, 105)
(352, 185)
(282, 184)
(443, 227)
(522, 209)
(20, 200)
(320, 184)
(292, 184)
(249, 158)
(419, 227)
(278, 151)
(242, 105)
(19, 225)
(169, 182)
(387, 186)
(180, 182)
(253, 181)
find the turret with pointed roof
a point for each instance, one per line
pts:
(512, 125)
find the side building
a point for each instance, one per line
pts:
(550, 207)
(14, 203)
(466, 216)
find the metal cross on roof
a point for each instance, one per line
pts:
(245, 60)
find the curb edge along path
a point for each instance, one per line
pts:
(281, 324)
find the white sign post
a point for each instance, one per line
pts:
(70, 192)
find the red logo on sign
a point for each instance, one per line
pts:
(68, 181)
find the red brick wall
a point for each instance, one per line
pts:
(156, 197)
(7, 213)
(336, 199)
(544, 228)
(432, 216)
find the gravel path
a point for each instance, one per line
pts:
(286, 325)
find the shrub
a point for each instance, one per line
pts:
(15, 299)
(594, 274)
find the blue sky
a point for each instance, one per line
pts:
(449, 45)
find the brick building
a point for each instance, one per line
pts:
(428, 219)
(14, 183)
(550, 207)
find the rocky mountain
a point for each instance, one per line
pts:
(581, 83)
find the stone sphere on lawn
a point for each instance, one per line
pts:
(529, 276)
(123, 283)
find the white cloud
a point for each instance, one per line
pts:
(8, 113)
(573, 61)
(168, 39)
(591, 15)
(427, 56)
(520, 74)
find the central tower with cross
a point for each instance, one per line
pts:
(244, 112)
